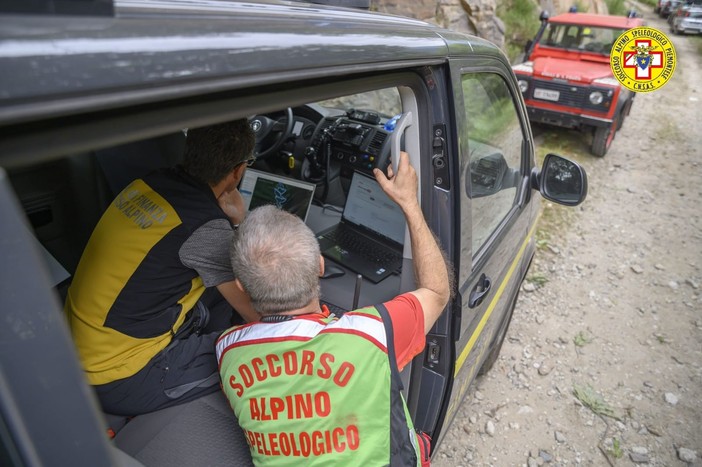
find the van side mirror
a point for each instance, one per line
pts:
(543, 16)
(561, 181)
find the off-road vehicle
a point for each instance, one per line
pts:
(566, 77)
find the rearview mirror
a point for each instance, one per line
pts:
(561, 181)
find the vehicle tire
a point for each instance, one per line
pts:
(623, 113)
(498, 340)
(603, 138)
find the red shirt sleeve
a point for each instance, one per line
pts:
(407, 319)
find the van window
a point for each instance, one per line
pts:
(319, 143)
(495, 142)
(384, 101)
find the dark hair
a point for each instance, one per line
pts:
(212, 152)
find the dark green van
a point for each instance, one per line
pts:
(94, 94)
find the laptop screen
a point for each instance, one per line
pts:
(261, 188)
(367, 205)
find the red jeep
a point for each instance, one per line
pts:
(566, 79)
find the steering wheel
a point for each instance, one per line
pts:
(271, 131)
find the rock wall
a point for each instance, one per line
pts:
(475, 17)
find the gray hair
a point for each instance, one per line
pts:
(275, 256)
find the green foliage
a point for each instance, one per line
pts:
(537, 279)
(488, 101)
(554, 219)
(616, 450)
(581, 6)
(573, 144)
(521, 20)
(541, 243)
(649, 2)
(593, 401)
(617, 7)
(581, 339)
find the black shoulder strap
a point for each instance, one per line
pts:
(402, 452)
(387, 322)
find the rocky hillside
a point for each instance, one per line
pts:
(478, 17)
(471, 16)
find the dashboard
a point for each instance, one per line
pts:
(325, 146)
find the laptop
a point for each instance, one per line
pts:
(261, 188)
(370, 236)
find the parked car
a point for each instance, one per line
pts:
(676, 10)
(566, 79)
(687, 20)
(96, 94)
(668, 7)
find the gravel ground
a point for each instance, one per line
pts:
(602, 364)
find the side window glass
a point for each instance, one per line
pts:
(491, 171)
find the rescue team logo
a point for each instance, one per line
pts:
(642, 59)
(288, 408)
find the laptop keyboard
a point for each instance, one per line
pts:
(353, 242)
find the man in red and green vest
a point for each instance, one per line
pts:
(309, 387)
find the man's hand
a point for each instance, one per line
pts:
(400, 187)
(232, 204)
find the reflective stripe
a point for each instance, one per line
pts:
(248, 334)
(476, 333)
(367, 326)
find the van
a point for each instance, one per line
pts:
(94, 94)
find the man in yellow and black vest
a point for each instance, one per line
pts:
(144, 336)
(306, 385)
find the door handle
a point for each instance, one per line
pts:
(480, 291)
(402, 124)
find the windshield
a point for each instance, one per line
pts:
(385, 101)
(575, 36)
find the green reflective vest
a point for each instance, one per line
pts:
(324, 391)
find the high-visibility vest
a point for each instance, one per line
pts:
(324, 391)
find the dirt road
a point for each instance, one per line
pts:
(612, 311)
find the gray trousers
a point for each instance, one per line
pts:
(185, 370)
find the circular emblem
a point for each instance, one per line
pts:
(642, 59)
(256, 125)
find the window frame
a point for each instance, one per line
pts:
(479, 257)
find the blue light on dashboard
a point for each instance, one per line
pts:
(390, 124)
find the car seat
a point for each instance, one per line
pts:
(204, 431)
(120, 165)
